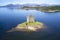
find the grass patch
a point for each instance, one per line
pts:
(29, 23)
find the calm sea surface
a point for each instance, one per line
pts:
(10, 18)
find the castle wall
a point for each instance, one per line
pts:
(30, 18)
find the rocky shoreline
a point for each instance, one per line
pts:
(29, 27)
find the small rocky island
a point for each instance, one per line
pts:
(29, 25)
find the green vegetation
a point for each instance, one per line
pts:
(30, 26)
(44, 8)
(29, 23)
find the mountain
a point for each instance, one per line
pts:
(21, 6)
(14, 5)
(17, 6)
(29, 4)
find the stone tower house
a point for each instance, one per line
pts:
(30, 18)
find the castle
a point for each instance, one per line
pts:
(30, 18)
